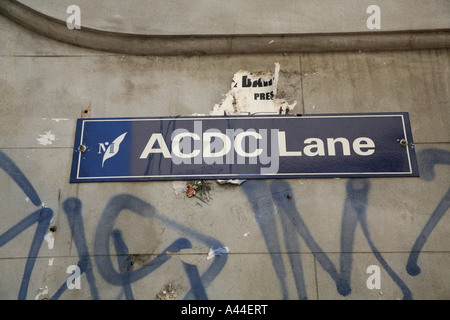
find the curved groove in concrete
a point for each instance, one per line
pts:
(125, 43)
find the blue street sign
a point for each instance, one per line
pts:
(244, 147)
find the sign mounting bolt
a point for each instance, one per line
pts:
(403, 142)
(82, 148)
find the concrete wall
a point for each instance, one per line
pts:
(136, 239)
(173, 17)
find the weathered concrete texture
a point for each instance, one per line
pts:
(247, 17)
(413, 81)
(35, 88)
(329, 32)
(18, 41)
(133, 240)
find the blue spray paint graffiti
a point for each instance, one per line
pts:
(41, 216)
(427, 160)
(102, 255)
(294, 227)
(126, 276)
(73, 209)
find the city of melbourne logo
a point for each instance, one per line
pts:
(110, 149)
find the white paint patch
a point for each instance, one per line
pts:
(46, 139)
(50, 240)
(42, 292)
(50, 261)
(59, 119)
(179, 187)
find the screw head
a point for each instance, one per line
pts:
(82, 148)
(403, 142)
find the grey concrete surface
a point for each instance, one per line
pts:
(44, 87)
(420, 86)
(22, 42)
(248, 17)
(329, 33)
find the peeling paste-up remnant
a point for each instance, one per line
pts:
(253, 93)
(46, 139)
(215, 251)
(231, 181)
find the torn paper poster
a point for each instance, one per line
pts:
(215, 251)
(253, 93)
